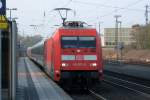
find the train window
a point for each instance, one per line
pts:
(69, 42)
(78, 42)
(38, 50)
(87, 42)
(87, 38)
(69, 38)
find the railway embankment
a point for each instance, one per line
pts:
(138, 71)
(131, 56)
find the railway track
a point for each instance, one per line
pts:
(112, 90)
(85, 95)
(128, 62)
(129, 78)
(132, 86)
(96, 95)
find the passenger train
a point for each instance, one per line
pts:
(73, 53)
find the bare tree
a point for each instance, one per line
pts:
(141, 36)
(29, 41)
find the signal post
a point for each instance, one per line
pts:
(2, 26)
(8, 76)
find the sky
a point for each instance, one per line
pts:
(31, 12)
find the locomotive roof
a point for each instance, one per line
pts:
(76, 25)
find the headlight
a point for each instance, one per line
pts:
(67, 57)
(94, 64)
(64, 64)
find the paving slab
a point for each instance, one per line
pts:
(33, 84)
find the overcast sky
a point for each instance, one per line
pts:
(31, 12)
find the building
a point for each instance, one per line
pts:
(124, 36)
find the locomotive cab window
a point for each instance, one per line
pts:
(87, 42)
(78, 42)
(69, 42)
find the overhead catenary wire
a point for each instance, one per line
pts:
(116, 9)
(110, 6)
(134, 3)
(68, 3)
(52, 10)
(125, 8)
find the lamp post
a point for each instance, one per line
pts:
(116, 33)
(99, 25)
(121, 44)
(10, 11)
(34, 27)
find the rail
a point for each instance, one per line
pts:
(96, 95)
(135, 87)
(128, 61)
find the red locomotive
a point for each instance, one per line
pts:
(73, 53)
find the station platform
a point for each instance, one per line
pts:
(139, 71)
(33, 84)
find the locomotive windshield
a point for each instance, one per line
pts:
(78, 42)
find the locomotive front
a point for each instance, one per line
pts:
(81, 58)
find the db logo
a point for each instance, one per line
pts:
(79, 57)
